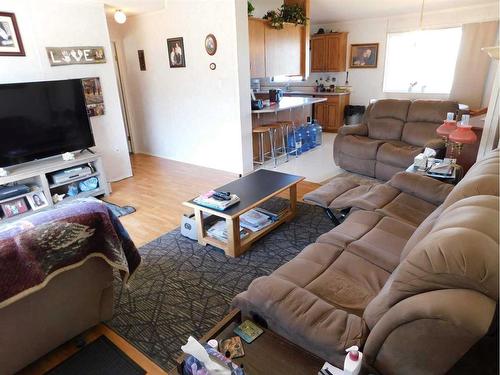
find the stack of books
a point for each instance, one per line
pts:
(257, 219)
(219, 231)
(207, 200)
(442, 168)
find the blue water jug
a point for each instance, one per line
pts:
(319, 133)
(306, 138)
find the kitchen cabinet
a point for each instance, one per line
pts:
(330, 114)
(329, 52)
(283, 50)
(275, 52)
(256, 34)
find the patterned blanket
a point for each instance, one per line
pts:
(32, 249)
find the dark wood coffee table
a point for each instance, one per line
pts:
(268, 354)
(253, 190)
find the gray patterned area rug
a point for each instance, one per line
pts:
(184, 289)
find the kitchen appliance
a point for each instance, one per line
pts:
(275, 95)
(42, 119)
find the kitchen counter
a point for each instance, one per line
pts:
(297, 93)
(288, 103)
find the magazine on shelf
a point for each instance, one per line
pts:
(208, 201)
(219, 231)
(257, 219)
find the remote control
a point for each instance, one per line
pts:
(222, 196)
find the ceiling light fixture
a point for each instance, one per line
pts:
(120, 16)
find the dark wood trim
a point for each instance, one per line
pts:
(18, 36)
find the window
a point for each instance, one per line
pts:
(285, 79)
(421, 61)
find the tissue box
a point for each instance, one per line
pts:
(420, 161)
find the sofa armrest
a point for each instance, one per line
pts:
(357, 129)
(428, 332)
(423, 187)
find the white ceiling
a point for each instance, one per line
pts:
(326, 11)
(133, 7)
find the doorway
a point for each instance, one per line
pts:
(123, 102)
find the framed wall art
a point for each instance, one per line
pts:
(211, 44)
(11, 43)
(364, 55)
(176, 56)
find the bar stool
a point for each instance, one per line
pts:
(282, 150)
(291, 137)
(260, 131)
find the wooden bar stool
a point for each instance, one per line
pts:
(260, 131)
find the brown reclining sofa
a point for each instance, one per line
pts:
(415, 292)
(391, 134)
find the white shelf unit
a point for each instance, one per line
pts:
(36, 174)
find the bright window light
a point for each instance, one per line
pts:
(287, 78)
(421, 61)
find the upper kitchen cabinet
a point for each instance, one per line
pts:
(329, 52)
(256, 34)
(283, 50)
(275, 52)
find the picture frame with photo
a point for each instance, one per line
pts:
(94, 100)
(363, 55)
(14, 207)
(11, 43)
(175, 50)
(37, 200)
(211, 44)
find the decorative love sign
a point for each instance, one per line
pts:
(75, 55)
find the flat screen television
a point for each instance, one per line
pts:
(42, 119)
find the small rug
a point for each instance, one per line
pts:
(184, 289)
(101, 357)
(120, 210)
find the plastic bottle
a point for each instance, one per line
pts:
(306, 145)
(319, 133)
(298, 140)
(353, 359)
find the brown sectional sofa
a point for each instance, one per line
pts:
(391, 134)
(415, 292)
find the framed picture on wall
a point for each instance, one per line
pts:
(11, 43)
(176, 56)
(364, 55)
(93, 96)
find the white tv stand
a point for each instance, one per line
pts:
(36, 175)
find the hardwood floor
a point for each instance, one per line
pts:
(157, 190)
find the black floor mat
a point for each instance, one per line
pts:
(100, 357)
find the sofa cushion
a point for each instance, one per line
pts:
(397, 153)
(349, 283)
(424, 117)
(360, 147)
(325, 194)
(408, 208)
(357, 224)
(383, 244)
(386, 119)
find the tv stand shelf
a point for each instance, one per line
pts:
(37, 175)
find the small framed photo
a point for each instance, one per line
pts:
(176, 56)
(37, 200)
(211, 44)
(14, 207)
(11, 43)
(364, 55)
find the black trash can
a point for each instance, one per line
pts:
(353, 114)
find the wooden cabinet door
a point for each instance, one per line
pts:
(283, 50)
(332, 113)
(256, 30)
(319, 113)
(337, 52)
(318, 54)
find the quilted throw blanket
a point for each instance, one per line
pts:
(36, 248)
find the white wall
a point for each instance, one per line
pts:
(367, 83)
(193, 114)
(263, 6)
(55, 23)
